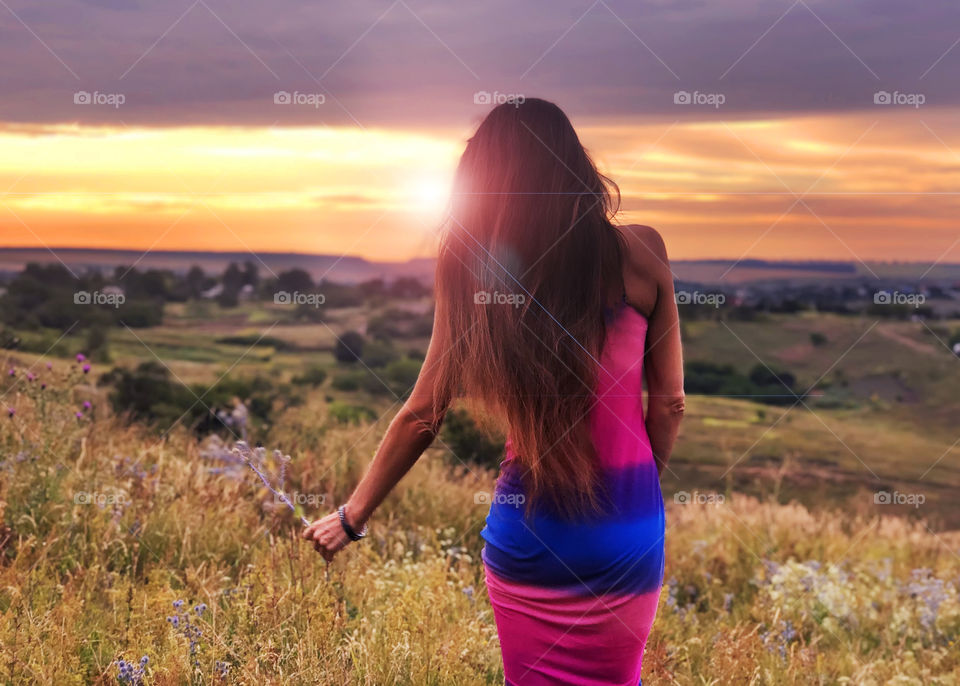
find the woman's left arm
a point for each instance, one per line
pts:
(410, 433)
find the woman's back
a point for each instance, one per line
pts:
(559, 586)
(612, 551)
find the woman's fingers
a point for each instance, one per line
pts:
(309, 532)
(327, 535)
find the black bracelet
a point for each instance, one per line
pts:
(347, 529)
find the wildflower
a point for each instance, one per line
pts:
(468, 591)
(86, 368)
(81, 357)
(49, 365)
(31, 376)
(13, 372)
(255, 460)
(129, 673)
(43, 386)
(929, 590)
(199, 609)
(79, 415)
(87, 405)
(11, 412)
(178, 604)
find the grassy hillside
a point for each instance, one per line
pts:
(108, 527)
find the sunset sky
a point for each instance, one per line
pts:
(189, 148)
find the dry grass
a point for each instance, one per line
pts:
(756, 593)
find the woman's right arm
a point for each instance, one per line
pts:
(410, 433)
(663, 355)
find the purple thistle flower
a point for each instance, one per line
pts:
(86, 368)
(87, 405)
(81, 357)
(49, 365)
(13, 372)
(11, 412)
(129, 673)
(254, 460)
(31, 376)
(79, 415)
(43, 386)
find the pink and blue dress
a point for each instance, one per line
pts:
(574, 601)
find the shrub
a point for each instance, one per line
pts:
(468, 442)
(761, 385)
(349, 347)
(348, 381)
(351, 414)
(379, 354)
(315, 376)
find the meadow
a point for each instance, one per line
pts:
(138, 553)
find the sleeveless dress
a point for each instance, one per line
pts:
(574, 602)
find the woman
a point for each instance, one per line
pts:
(549, 316)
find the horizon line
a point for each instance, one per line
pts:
(167, 251)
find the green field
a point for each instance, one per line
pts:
(880, 414)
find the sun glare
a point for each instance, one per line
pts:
(430, 194)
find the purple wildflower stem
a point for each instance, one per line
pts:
(279, 494)
(283, 471)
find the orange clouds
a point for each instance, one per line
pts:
(882, 185)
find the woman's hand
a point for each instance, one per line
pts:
(327, 535)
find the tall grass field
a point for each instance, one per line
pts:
(131, 556)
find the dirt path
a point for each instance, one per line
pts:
(890, 332)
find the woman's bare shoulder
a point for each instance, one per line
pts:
(646, 251)
(646, 269)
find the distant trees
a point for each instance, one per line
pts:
(51, 296)
(231, 282)
(294, 281)
(197, 282)
(761, 384)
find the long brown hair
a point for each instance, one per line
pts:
(528, 261)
